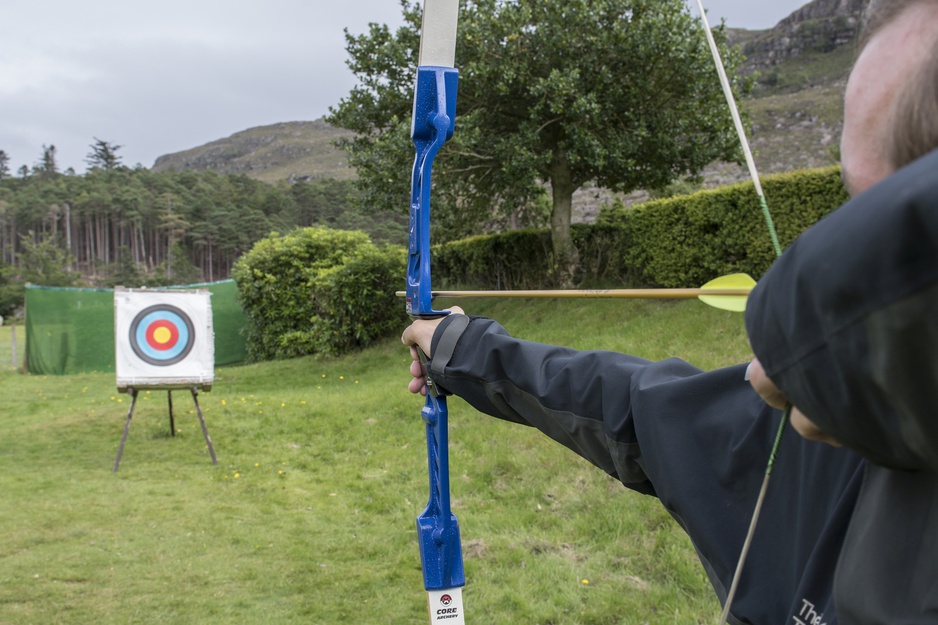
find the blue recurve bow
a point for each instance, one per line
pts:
(434, 116)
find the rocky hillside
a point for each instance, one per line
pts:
(799, 68)
(821, 26)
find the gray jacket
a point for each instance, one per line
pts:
(846, 324)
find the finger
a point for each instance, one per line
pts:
(405, 336)
(806, 428)
(764, 386)
(419, 334)
(418, 385)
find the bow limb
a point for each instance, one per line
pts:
(740, 131)
(433, 123)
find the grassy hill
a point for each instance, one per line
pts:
(796, 116)
(309, 515)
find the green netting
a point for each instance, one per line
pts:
(229, 323)
(69, 330)
(72, 330)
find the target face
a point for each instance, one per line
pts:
(162, 335)
(163, 338)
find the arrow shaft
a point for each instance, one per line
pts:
(596, 293)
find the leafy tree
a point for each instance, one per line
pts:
(177, 268)
(620, 92)
(103, 155)
(124, 272)
(331, 203)
(11, 291)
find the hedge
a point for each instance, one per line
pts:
(677, 242)
(688, 240)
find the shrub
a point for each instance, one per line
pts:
(316, 290)
(521, 259)
(355, 302)
(511, 260)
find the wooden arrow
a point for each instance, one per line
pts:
(726, 292)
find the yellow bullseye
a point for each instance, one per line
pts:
(162, 335)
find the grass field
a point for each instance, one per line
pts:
(309, 515)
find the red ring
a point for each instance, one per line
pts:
(173, 334)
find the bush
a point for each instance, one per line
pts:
(316, 290)
(325, 291)
(512, 260)
(355, 302)
(522, 259)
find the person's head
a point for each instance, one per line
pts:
(891, 100)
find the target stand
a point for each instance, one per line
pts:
(172, 423)
(164, 341)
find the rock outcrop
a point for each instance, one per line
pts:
(819, 26)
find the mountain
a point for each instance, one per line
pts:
(798, 69)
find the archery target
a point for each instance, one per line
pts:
(163, 338)
(162, 335)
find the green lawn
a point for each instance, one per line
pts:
(309, 515)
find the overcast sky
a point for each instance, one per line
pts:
(160, 77)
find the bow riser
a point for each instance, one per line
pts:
(434, 115)
(434, 120)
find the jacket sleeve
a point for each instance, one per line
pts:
(845, 322)
(601, 403)
(562, 392)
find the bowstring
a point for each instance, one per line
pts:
(773, 235)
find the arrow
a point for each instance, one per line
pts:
(726, 293)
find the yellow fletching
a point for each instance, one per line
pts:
(734, 303)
